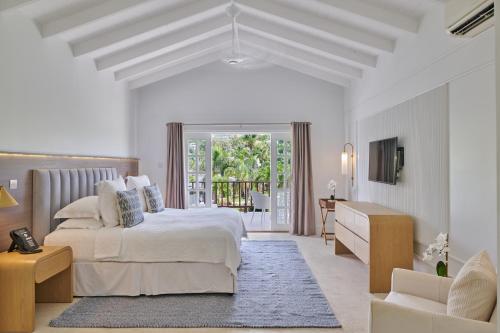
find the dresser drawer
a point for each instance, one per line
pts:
(344, 216)
(361, 227)
(362, 250)
(345, 236)
(53, 265)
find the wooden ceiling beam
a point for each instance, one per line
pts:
(169, 42)
(173, 69)
(340, 32)
(168, 20)
(306, 41)
(278, 48)
(378, 14)
(157, 63)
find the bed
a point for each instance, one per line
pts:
(175, 251)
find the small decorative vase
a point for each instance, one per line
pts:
(442, 269)
(332, 197)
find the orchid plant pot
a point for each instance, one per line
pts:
(442, 269)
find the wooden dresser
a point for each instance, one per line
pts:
(381, 237)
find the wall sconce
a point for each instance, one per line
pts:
(345, 162)
(6, 200)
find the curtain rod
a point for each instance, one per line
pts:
(235, 124)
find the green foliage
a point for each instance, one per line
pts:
(244, 157)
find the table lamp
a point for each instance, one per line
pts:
(6, 200)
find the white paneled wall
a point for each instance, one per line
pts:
(421, 125)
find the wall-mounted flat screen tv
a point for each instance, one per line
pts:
(383, 161)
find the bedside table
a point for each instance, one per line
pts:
(326, 206)
(45, 277)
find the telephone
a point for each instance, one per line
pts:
(23, 242)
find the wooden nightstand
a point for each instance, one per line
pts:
(45, 277)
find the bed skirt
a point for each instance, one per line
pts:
(133, 279)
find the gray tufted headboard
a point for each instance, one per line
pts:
(56, 188)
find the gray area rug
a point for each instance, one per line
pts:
(276, 289)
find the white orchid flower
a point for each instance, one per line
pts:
(332, 184)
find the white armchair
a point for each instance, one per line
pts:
(417, 304)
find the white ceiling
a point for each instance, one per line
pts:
(144, 41)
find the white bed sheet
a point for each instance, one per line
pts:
(82, 241)
(208, 235)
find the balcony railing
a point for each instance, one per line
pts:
(236, 194)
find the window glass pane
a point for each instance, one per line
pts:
(201, 181)
(191, 164)
(202, 197)
(192, 198)
(280, 147)
(280, 199)
(202, 147)
(201, 164)
(281, 216)
(191, 147)
(191, 182)
(288, 147)
(281, 182)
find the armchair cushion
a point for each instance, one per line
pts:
(431, 287)
(416, 302)
(386, 317)
(473, 293)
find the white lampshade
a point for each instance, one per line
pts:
(344, 163)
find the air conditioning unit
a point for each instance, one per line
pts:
(467, 18)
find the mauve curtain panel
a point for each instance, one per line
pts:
(175, 196)
(302, 205)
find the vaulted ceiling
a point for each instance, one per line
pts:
(144, 41)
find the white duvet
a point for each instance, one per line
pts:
(209, 235)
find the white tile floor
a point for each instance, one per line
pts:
(343, 279)
(261, 221)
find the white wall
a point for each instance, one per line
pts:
(53, 103)
(420, 64)
(473, 192)
(218, 94)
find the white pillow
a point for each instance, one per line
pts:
(108, 205)
(473, 293)
(86, 207)
(138, 183)
(80, 224)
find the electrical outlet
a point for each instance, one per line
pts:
(13, 184)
